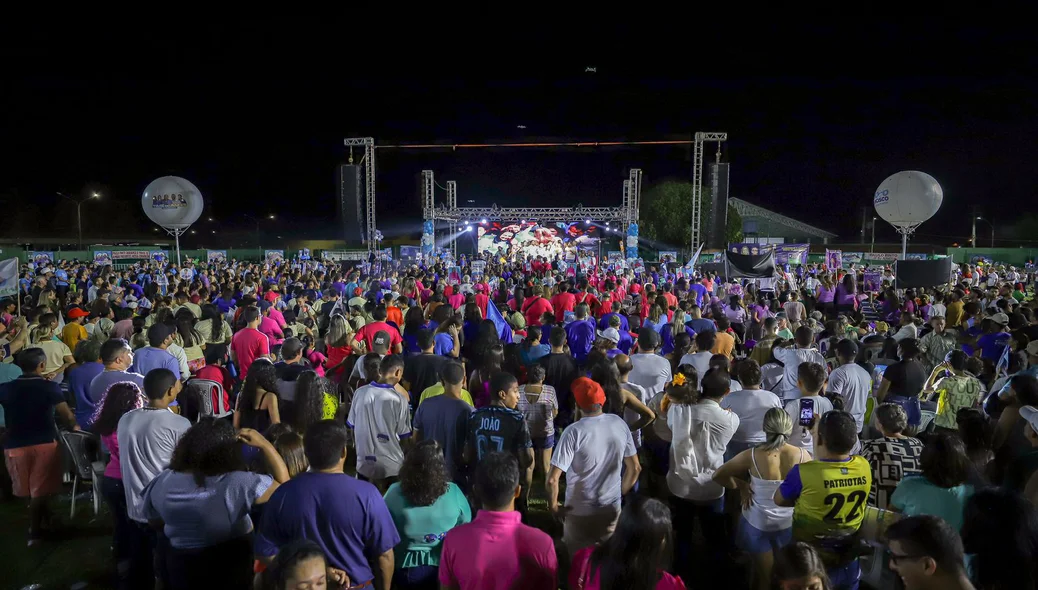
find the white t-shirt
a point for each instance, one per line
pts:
(651, 372)
(854, 384)
(630, 416)
(699, 360)
(379, 417)
(791, 358)
(591, 451)
(801, 436)
(147, 438)
(750, 405)
(702, 432)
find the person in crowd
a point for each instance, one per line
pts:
(258, 405)
(203, 501)
(444, 418)
(346, 517)
(1000, 534)
(289, 368)
(892, 456)
(422, 371)
(313, 402)
(700, 359)
(828, 497)
(249, 344)
(850, 381)
(580, 333)
(59, 356)
(954, 389)
(539, 405)
(804, 351)
(74, 332)
(651, 371)
(425, 504)
(810, 401)
(598, 456)
(31, 450)
(560, 370)
(300, 564)
(750, 404)
(214, 327)
(799, 567)
(904, 380)
(636, 555)
(1024, 465)
(156, 355)
(496, 551)
(381, 420)
(88, 366)
(289, 446)
(146, 439)
(975, 430)
(365, 336)
(926, 553)
(701, 431)
(117, 358)
(117, 400)
(941, 488)
(937, 343)
(756, 473)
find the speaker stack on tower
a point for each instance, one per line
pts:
(717, 220)
(351, 207)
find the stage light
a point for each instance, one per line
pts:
(607, 223)
(587, 221)
(466, 223)
(484, 222)
(523, 221)
(468, 228)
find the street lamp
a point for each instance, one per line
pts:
(258, 229)
(992, 226)
(79, 212)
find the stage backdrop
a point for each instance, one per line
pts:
(495, 236)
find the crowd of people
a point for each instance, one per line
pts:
(308, 424)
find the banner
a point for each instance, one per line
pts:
(751, 266)
(873, 281)
(341, 255)
(915, 256)
(791, 254)
(271, 256)
(477, 267)
(853, 258)
(131, 254)
(750, 248)
(387, 253)
(882, 256)
(159, 256)
(833, 259)
(410, 252)
(668, 256)
(102, 257)
(639, 266)
(41, 258)
(8, 277)
(216, 256)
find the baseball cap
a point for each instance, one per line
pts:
(380, 342)
(588, 393)
(1000, 318)
(160, 332)
(1032, 348)
(610, 334)
(1030, 413)
(77, 313)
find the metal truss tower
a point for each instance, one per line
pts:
(697, 179)
(368, 143)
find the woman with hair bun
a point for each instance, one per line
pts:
(764, 527)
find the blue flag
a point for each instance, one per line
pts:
(504, 331)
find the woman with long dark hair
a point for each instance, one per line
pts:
(214, 327)
(414, 320)
(605, 372)
(490, 362)
(942, 488)
(1000, 533)
(846, 296)
(424, 504)
(257, 406)
(120, 398)
(635, 557)
(203, 501)
(313, 401)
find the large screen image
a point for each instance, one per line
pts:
(535, 239)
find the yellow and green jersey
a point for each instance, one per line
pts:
(831, 506)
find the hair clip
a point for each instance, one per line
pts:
(679, 379)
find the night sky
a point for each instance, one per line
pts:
(255, 116)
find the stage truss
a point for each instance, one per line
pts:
(454, 216)
(368, 159)
(697, 179)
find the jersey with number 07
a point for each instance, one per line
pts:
(831, 506)
(498, 429)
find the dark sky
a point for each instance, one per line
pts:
(254, 114)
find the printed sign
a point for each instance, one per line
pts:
(131, 254)
(915, 256)
(873, 280)
(102, 257)
(833, 259)
(883, 256)
(853, 258)
(272, 256)
(216, 256)
(159, 256)
(343, 255)
(791, 254)
(186, 274)
(410, 252)
(752, 249)
(478, 267)
(41, 258)
(668, 256)
(638, 266)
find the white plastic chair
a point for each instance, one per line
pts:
(82, 448)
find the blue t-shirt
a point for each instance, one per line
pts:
(444, 344)
(346, 517)
(701, 325)
(700, 292)
(148, 358)
(667, 334)
(79, 382)
(444, 420)
(992, 345)
(28, 403)
(581, 336)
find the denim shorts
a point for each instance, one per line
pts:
(540, 444)
(753, 540)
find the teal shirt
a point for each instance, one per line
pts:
(422, 528)
(915, 495)
(8, 372)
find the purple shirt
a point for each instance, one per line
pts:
(581, 336)
(346, 517)
(79, 382)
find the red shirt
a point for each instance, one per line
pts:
(534, 308)
(221, 376)
(394, 315)
(248, 345)
(562, 303)
(672, 301)
(592, 302)
(481, 303)
(367, 334)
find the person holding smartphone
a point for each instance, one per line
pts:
(811, 383)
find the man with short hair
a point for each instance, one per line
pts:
(598, 456)
(580, 333)
(147, 438)
(927, 554)
(381, 420)
(700, 355)
(422, 371)
(117, 358)
(249, 344)
(724, 342)
(366, 335)
(496, 550)
(698, 323)
(651, 371)
(444, 418)
(31, 451)
(155, 355)
(811, 384)
(559, 371)
(852, 382)
(290, 368)
(762, 350)
(345, 516)
(803, 352)
(750, 404)
(499, 427)
(829, 495)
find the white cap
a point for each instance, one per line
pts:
(1000, 319)
(610, 334)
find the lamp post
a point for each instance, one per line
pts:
(79, 213)
(258, 229)
(991, 225)
(872, 246)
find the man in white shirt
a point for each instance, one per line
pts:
(791, 358)
(811, 382)
(908, 328)
(701, 358)
(598, 456)
(851, 381)
(651, 371)
(381, 420)
(701, 433)
(749, 404)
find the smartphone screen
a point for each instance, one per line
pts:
(807, 412)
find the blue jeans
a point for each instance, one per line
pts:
(845, 577)
(422, 577)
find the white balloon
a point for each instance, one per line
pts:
(172, 202)
(908, 198)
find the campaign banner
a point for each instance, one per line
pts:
(102, 257)
(344, 255)
(8, 277)
(833, 259)
(131, 254)
(639, 266)
(477, 267)
(883, 256)
(216, 256)
(873, 280)
(979, 259)
(410, 252)
(750, 248)
(668, 256)
(852, 258)
(187, 274)
(791, 254)
(160, 256)
(272, 256)
(387, 253)
(41, 258)
(454, 275)
(915, 256)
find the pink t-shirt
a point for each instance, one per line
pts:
(591, 582)
(248, 345)
(317, 362)
(270, 328)
(496, 550)
(111, 442)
